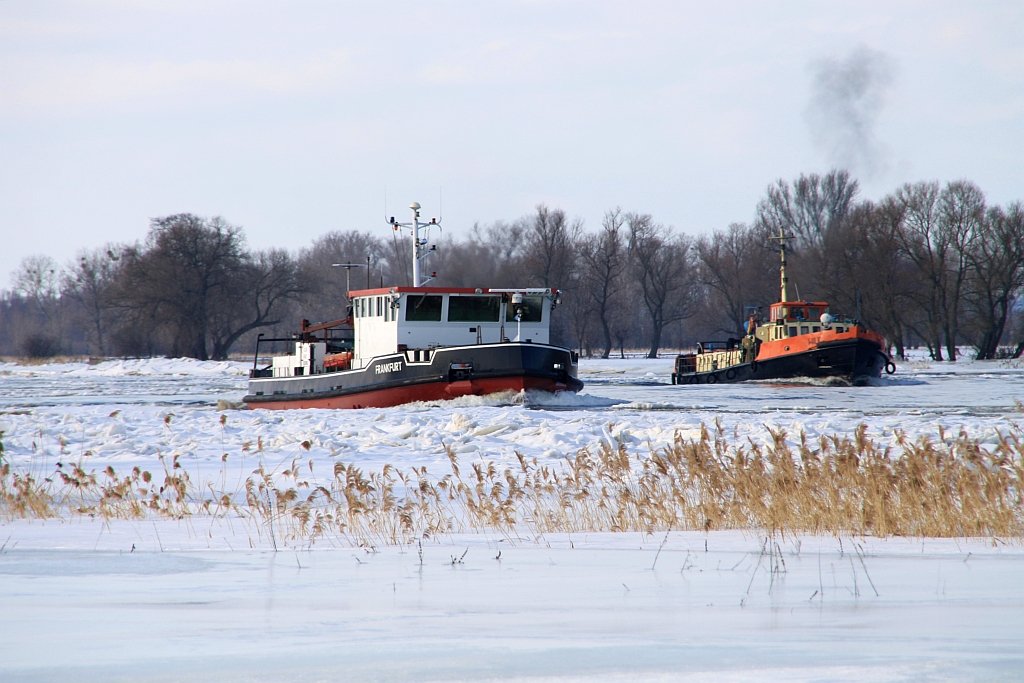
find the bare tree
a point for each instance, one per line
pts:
(809, 207)
(604, 262)
(663, 264)
(996, 277)
(491, 257)
(324, 285)
(550, 243)
(732, 264)
(550, 259)
(508, 242)
(961, 214)
(812, 209)
(267, 282)
(887, 283)
(188, 270)
(922, 241)
(90, 284)
(37, 281)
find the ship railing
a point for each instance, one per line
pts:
(268, 370)
(686, 363)
(728, 345)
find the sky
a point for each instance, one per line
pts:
(295, 119)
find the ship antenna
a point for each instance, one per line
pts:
(348, 276)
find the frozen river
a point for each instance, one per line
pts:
(162, 600)
(123, 412)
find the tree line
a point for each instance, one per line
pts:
(929, 264)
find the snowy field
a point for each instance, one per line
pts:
(209, 599)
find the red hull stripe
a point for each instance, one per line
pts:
(428, 391)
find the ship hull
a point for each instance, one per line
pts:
(441, 374)
(857, 360)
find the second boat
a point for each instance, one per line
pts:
(799, 339)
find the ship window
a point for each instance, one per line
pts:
(805, 329)
(468, 309)
(358, 308)
(423, 307)
(380, 308)
(533, 307)
(791, 330)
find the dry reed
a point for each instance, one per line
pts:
(842, 485)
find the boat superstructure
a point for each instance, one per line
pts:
(415, 343)
(799, 339)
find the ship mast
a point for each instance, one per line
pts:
(783, 280)
(419, 244)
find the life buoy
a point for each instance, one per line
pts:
(730, 374)
(712, 378)
(890, 367)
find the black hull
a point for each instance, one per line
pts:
(417, 375)
(856, 360)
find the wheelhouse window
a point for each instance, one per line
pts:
(532, 308)
(423, 307)
(473, 309)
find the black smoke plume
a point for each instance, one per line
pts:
(847, 95)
